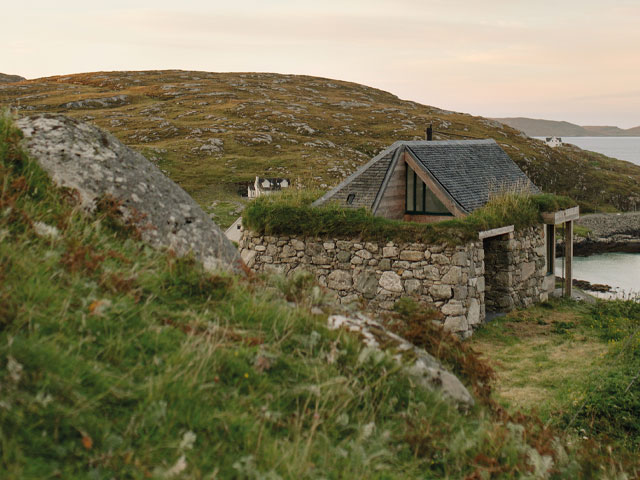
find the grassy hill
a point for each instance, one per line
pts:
(610, 131)
(6, 78)
(211, 131)
(119, 361)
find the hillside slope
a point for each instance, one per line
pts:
(535, 127)
(210, 131)
(610, 131)
(119, 361)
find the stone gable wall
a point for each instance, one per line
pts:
(450, 278)
(516, 270)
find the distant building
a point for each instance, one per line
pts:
(553, 142)
(265, 186)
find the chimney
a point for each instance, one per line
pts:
(429, 133)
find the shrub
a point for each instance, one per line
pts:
(611, 404)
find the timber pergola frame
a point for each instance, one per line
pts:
(566, 217)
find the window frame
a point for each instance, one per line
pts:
(422, 210)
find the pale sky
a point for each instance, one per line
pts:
(574, 60)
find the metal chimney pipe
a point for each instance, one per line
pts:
(429, 133)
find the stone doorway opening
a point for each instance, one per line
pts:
(499, 270)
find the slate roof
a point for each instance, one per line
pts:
(364, 184)
(468, 171)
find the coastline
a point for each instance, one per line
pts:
(609, 232)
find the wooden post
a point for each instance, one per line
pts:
(568, 257)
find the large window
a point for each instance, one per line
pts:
(421, 200)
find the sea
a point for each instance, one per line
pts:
(619, 270)
(622, 148)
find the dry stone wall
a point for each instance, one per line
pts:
(450, 278)
(516, 270)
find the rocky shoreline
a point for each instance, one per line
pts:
(609, 232)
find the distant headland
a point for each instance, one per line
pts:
(6, 78)
(542, 128)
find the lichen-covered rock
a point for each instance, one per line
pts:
(391, 281)
(339, 280)
(95, 163)
(101, 102)
(424, 369)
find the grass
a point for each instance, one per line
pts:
(171, 114)
(574, 364)
(291, 213)
(535, 352)
(120, 361)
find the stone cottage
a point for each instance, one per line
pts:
(428, 181)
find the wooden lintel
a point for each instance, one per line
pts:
(494, 232)
(561, 216)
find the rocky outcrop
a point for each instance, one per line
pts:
(608, 232)
(95, 163)
(423, 368)
(101, 102)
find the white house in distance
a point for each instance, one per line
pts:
(261, 186)
(553, 142)
(265, 186)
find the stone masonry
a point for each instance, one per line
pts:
(516, 264)
(450, 278)
(498, 274)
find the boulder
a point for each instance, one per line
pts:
(424, 369)
(95, 163)
(367, 284)
(411, 255)
(440, 292)
(339, 280)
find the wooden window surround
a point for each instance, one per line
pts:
(419, 200)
